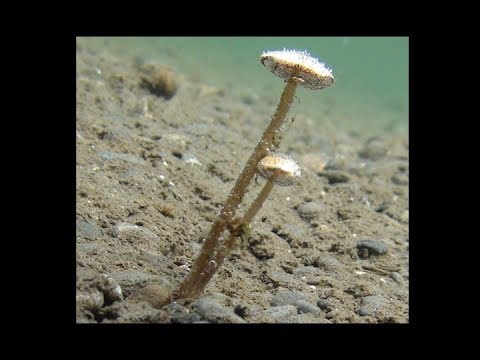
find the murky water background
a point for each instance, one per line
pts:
(370, 95)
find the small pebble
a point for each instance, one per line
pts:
(134, 233)
(131, 280)
(328, 263)
(338, 162)
(108, 155)
(243, 311)
(91, 300)
(366, 248)
(281, 313)
(181, 314)
(294, 298)
(287, 298)
(88, 230)
(306, 270)
(190, 159)
(396, 277)
(370, 305)
(310, 210)
(324, 304)
(304, 307)
(400, 179)
(209, 309)
(374, 149)
(111, 290)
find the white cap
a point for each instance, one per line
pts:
(279, 168)
(300, 66)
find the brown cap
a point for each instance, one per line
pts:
(279, 168)
(299, 65)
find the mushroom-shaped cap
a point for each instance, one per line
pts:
(299, 65)
(279, 168)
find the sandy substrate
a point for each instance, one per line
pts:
(157, 153)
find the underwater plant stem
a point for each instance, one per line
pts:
(246, 219)
(257, 204)
(204, 268)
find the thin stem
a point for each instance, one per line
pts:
(258, 202)
(204, 268)
(246, 219)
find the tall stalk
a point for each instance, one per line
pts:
(213, 252)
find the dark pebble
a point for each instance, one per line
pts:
(370, 305)
(242, 311)
(324, 304)
(400, 179)
(335, 176)
(366, 248)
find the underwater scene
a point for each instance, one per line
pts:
(242, 179)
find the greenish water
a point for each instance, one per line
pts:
(370, 94)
